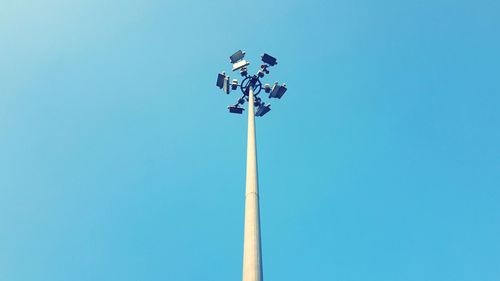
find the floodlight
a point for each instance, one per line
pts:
(220, 80)
(274, 90)
(237, 56)
(278, 91)
(240, 64)
(226, 85)
(234, 85)
(263, 109)
(269, 59)
(235, 109)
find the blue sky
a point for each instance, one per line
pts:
(119, 161)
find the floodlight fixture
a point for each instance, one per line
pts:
(239, 55)
(269, 59)
(278, 91)
(235, 109)
(240, 64)
(262, 110)
(220, 80)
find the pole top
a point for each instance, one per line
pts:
(239, 64)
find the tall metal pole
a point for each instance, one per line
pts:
(251, 86)
(252, 257)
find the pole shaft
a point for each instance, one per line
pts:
(252, 257)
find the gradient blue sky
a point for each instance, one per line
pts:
(119, 161)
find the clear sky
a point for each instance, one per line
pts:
(119, 161)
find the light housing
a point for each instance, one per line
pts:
(235, 109)
(239, 55)
(220, 80)
(269, 59)
(278, 91)
(262, 110)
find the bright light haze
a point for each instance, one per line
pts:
(119, 160)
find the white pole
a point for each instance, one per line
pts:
(252, 258)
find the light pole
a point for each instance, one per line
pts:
(251, 86)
